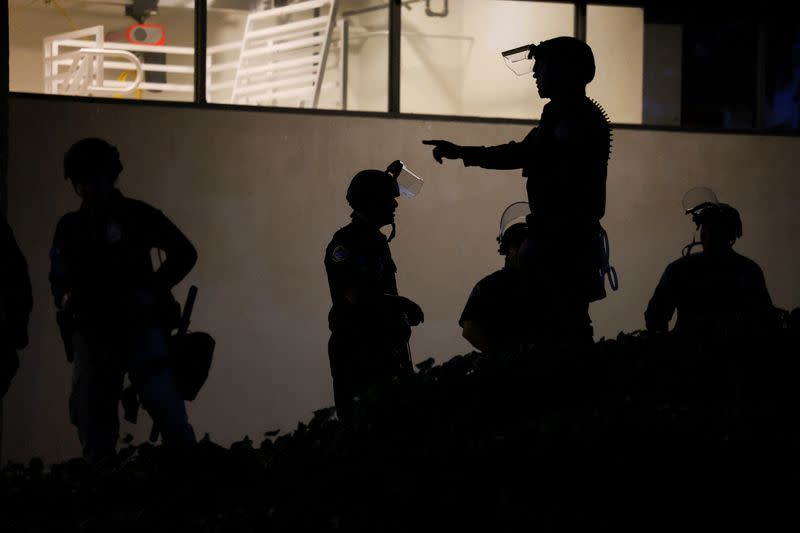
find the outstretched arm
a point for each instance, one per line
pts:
(507, 156)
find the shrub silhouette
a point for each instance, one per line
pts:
(636, 433)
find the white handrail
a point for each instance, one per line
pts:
(292, 8)
(285, 47)
(180, 50)
(91, 31)
(301, 26)
(100, 52)
(277, 55)
(227, 47)
(121, 65)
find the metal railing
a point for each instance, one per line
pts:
(79, 61)
(281, 59)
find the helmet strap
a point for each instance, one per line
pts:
(393, 233)
(688, 248)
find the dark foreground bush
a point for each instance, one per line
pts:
(636, 434)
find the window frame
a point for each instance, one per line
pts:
(395, 27)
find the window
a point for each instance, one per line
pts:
(142, 49)
(658, 63)
(662, 76)
(719, 74)
(781, 75)
(616, 35)
(715, 68)
(451, 62)
(321, 54)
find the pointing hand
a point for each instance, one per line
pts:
(444, 150)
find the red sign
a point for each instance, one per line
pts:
(150, 34)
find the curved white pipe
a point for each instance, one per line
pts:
(116, 53)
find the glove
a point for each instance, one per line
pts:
(444, 150)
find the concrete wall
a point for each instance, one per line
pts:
(260, 194)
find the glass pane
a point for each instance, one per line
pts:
(734, 72)
(451, 62)
(782, 73)
(135, 50)
(616, 35)
(663, 49)
(719, 74)
(322, 54)
(367, 78)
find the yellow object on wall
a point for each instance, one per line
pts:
(124, 77)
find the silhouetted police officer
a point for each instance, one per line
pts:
(716, 292)
(495, 317)
(565, 161)
(16, 302)
(118, 311)
(370, 324)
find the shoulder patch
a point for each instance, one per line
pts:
(340, 253)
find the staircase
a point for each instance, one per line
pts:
(283, 55)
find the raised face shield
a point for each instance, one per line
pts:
(520, 59)
(515, 213)
(698, 202)
(408, 182)
(698, 199)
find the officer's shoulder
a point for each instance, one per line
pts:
(580, 122)
(341, 244)
(344, 235)
(140, 207)
(685, 264)
(687, 259)
(68, 219)
(495, 279)
(746, 262)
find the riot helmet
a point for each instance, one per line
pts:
(720, 224)
(513, 237)
(371, 187)
(571, 58)
(90, 160)
(513, 226)
(372, 192)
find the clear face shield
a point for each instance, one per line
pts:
(409, 184)
(408, 181)
(697, 199)
(520, 60)
(515, 213)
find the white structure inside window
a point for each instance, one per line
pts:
(330, 54)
